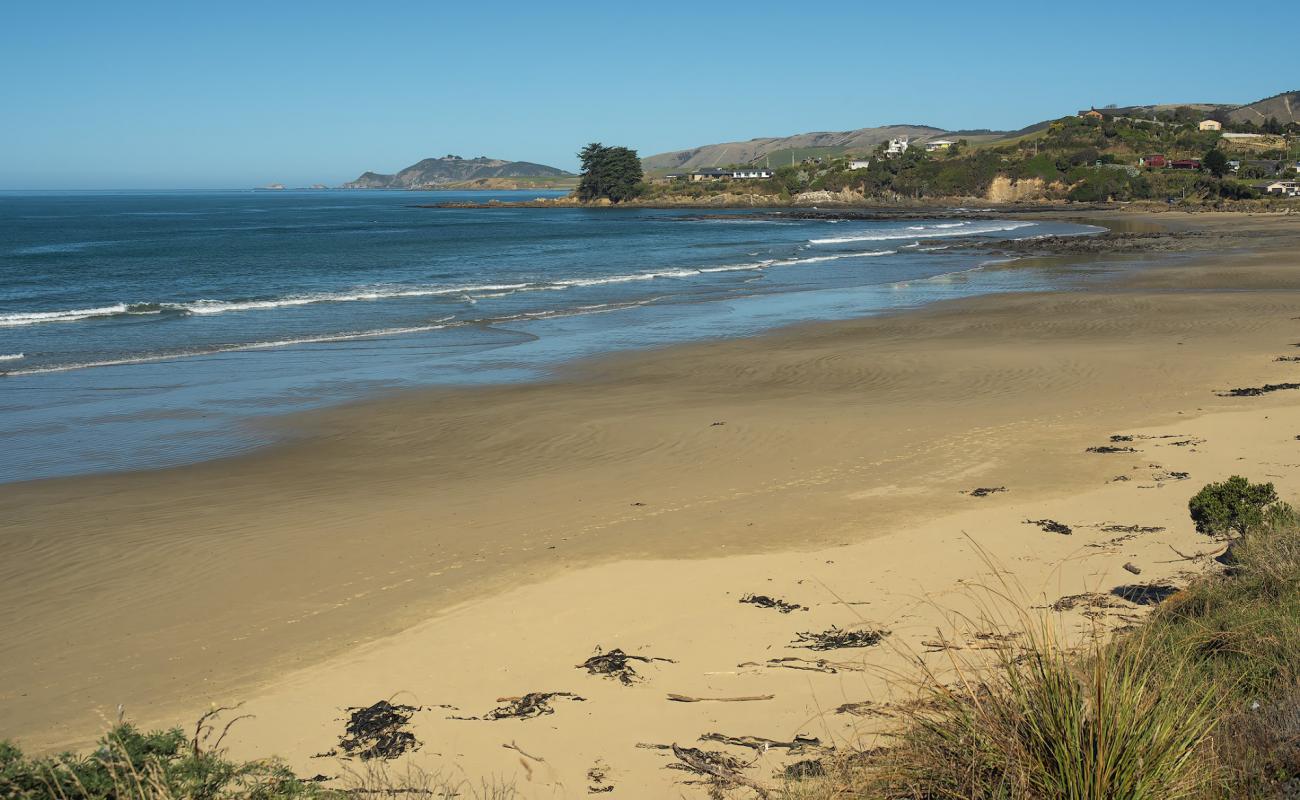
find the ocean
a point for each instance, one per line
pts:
(141, 330)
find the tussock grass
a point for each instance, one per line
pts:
(1200, 700)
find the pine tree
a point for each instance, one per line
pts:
(1215, 162)
(609, 172)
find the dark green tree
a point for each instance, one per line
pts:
(1236, 505)
(1215, 162)
(613, 173)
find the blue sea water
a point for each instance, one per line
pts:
(140, 330)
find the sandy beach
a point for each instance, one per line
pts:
(448, 549)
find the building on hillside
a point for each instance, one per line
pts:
(1262, 168)
(1231, 135)
(740, 174)
(859, 163)
(1210, 125)
(938, 144)
(1185, 163)
(1154, 161)
(710, 174)
(897, 146)
(1284, 188)
(1092, 113)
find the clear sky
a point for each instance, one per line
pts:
(231, 94)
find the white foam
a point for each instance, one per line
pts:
(12, 357)
(224, 306)
(923, 234)
(234, 348)
(70, 315)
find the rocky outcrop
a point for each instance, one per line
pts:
(1005, 190)
(823, 197)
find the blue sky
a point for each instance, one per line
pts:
(233, 94)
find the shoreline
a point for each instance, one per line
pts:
(617, 465)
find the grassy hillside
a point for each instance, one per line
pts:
(1072, 158)
(757, 151)
(1284, 107)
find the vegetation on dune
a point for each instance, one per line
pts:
(1233, 506)
(1201, 700)
(159, 765)
(129, 764)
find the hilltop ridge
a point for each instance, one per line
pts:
(773, 147)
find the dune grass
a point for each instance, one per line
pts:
(1201, 700)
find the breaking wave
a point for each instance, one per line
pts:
(926, 232)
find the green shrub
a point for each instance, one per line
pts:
(1236, 505)
(158, 765)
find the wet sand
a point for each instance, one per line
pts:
(453, 547)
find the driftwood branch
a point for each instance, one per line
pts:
(696, 762)
(1193, 556)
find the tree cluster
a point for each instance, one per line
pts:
(612, 173)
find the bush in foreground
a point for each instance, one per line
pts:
(159, 765)
(1234, 506)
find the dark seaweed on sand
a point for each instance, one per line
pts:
(763, 601)
(1051, 526)
(1256, 391)
(533, 704)
(836, 638)
(615, 664)
(378, 731)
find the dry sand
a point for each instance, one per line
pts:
(449, 548)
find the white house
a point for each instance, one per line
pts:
(938, 144)
(859, 163)
(1210, 125)
(741, 174)
(897, 146)
(1284, 188)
